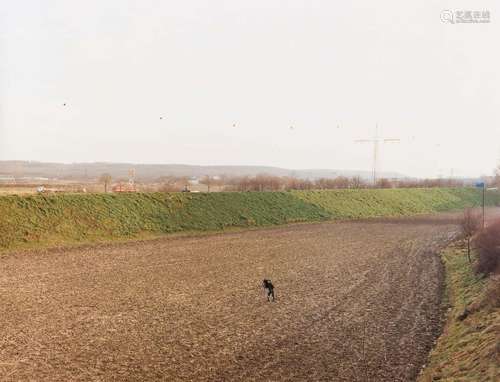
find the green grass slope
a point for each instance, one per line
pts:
(72, 218)
(69, 218)
(367, 203)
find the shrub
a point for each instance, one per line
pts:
(488, 244)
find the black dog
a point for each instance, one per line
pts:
(269, 287)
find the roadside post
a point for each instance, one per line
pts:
(483, 186)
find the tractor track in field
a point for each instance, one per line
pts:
(356, 301)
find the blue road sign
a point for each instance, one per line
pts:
(480, 184)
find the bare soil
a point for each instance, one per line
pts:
(356, 301)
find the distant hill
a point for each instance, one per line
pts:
(149, 172)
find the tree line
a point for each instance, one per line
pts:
(264, 182)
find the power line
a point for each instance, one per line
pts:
(376, 140)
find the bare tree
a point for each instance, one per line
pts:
(470, 224)
(356, 182)
(172, 183)
(332, 183)
(206, 180)
(383, 183)
(291, 183)
(212, 182)
(496, 178)
(106, 180)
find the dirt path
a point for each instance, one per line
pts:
(357, 301)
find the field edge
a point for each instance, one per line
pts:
(468, 348)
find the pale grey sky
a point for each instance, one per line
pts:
(264, 65)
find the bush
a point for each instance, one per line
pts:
(491, 297)
(488, 244)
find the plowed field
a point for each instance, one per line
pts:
(356, 301)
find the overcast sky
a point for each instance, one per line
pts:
(222, 82)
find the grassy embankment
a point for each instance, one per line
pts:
(47, 220)
(469, 348)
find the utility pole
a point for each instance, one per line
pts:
(484, 188)
(482, 185)
(376, 140)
